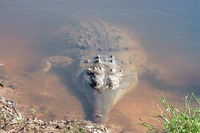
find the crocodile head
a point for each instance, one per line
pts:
(105, 81)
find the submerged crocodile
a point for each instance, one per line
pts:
(105, 62)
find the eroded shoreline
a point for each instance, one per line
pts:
(13, 120)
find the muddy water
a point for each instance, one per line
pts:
(169, 32)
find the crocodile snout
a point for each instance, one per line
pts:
(102, 105)
(100, 118)
(104, 82)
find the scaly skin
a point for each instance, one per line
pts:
(105, 63)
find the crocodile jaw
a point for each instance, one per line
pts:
(104, 83)
(103, 102)
(101, 106)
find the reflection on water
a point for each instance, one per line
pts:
(168, 30)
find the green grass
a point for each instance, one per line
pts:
(175, 121)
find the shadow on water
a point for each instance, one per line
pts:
(186, 89)
(174, 83)
(65, 78)
(159, 83)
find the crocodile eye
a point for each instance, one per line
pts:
(97, 57)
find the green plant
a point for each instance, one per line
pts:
(175, 121)
(33, 113)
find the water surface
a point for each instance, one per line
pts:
(168, 30)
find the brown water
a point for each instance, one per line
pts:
(169, 31)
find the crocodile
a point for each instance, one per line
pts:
(105, 62)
